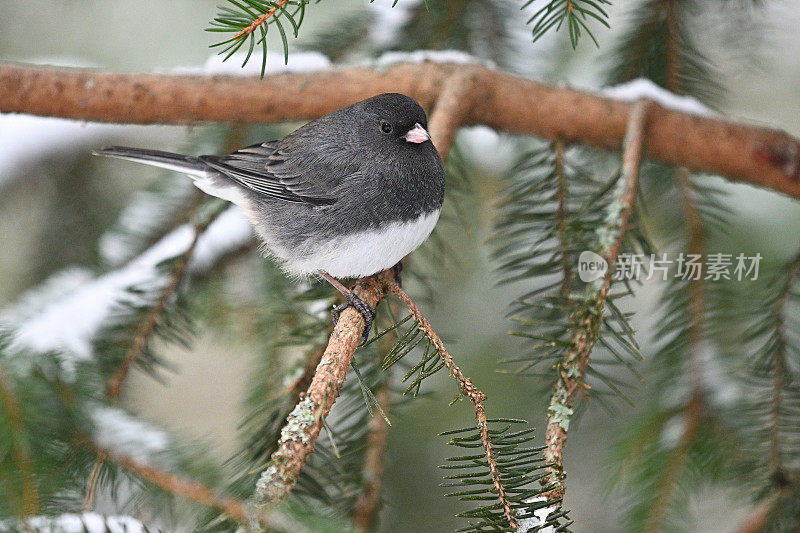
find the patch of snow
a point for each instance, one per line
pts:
(539, 517)
(145, 213)
(68, 313)
(318, 308)
(75, 523)
(114, 429)
(299, 62)
(672, 431)
(229, 232)
(55, 287)
(640, 88)
(490, 152)
(720, 388)
(429, 56)
(67, 324)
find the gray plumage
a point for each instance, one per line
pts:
(340, 194)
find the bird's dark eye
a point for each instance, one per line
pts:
(386, 127)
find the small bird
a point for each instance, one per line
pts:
(344, 196)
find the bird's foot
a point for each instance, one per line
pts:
(398, 268)
(359, 305)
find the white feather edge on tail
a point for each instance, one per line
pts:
(204, 178)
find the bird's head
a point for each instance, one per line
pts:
(395, 118)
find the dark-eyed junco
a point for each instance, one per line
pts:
(344, 196)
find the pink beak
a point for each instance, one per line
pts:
(417, 134)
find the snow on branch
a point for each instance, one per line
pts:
(75, 523)
(755, 155)
(74, 307)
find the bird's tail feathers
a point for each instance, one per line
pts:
(187, 164)
(206, 178)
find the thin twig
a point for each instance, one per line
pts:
(260, 20)
(304, 424)
(475, 395)
(778, 375)
(19, 453)
(365, 515)
(174, 484)
(576, 360)
(695, 407)
(757, 521)
(562, 213)
(148, 324)
(92, 483)
(755, 155)
(146, 328)
(151, 319)
(781, 485)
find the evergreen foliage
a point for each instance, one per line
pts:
(722, 367)
(576, 14)
(520, 468)
(550, 214)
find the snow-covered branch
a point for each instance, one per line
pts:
(681, 137)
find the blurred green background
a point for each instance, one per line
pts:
(55, 202)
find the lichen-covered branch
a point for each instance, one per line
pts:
(572, 369)
(304, 423)
(475, 395)
(751, 154)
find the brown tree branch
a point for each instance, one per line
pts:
(692, 416)
(576, 360)
(695, 407)
(92, 483)
(452, 108)
(757, 522)
(751, 154)
(475, 395)
(305, 422)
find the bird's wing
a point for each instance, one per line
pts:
(267, 169)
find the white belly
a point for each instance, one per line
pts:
(362, 254)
